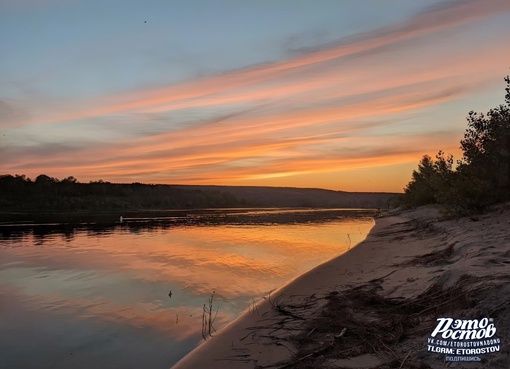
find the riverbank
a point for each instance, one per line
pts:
(377, 305)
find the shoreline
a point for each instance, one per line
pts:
(27, 220)
(402, 258)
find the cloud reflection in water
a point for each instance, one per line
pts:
(122, 279)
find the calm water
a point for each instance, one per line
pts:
(91, 296)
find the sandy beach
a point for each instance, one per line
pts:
(377, 305)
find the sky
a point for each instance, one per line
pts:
(337, 94)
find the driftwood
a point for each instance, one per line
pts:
(383, 326)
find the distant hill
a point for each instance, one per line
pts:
(46, 194)
(300, 197)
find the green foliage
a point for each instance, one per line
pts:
(482, 176)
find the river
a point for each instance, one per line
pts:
(131, 294)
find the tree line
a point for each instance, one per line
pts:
(48, 194)
(45, 194)
(479, 179)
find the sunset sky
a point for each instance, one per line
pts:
(338, 94)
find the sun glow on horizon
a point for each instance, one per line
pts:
(353, 113)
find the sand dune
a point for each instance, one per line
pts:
(377, 305)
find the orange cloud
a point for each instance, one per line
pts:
(258, 81)
(306, 114)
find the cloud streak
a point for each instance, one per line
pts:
(343, 105)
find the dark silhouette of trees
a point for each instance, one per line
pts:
(44, 180)
(486, 147)
(482, 175)
(47, 194)
(420, 190)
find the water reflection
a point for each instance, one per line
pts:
(113, 281)
(104, 223)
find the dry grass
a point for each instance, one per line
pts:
(394, 330)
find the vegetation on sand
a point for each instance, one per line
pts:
(480, 178)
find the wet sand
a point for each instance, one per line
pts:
(355, 311)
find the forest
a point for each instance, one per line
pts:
(49, 195)
(479, 179)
